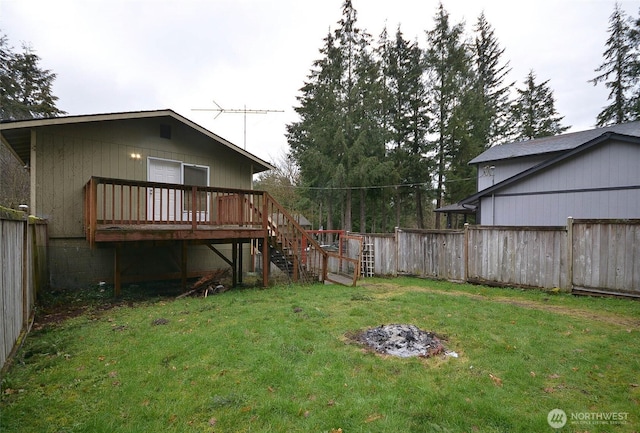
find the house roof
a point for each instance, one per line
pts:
(457, 208)
(17, 133)
(549, 145)
(607, 136)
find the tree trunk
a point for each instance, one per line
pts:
(329, 214)
(347, 212)
(439, 192)
(397, 207)
(363, 211)
(419, 209)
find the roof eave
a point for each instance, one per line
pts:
(566, 154)
(260, 164)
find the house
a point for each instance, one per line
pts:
(593, 174)
(142, 195)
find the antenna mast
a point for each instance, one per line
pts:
(244, 111)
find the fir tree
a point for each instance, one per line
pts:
(634, 70)
(407, 123)
(448, 73)
(25, 88)
(338, 141)
(313, 138)
(533, 113)
(616, 72)
(490, 73)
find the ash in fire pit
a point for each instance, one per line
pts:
(401, 340)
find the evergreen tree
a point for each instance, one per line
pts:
(407, 123)
(618, 71)
(25, 88)
(466, 142)
(315, 138)
(634, 70)
(480, 119)
(8, 85)
(352, 43)
(338, 141)
(448, 74)
(367, 153)
(533, 113)
(491, 125)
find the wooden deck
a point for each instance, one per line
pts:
(174, 232)
(122, 212)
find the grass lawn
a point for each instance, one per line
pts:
(278, 360)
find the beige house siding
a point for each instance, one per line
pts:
(68, 155)
(64, 153)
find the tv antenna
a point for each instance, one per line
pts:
(244, 111)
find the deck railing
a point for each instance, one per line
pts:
(285, 233)
(128, 204)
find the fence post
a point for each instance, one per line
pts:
(395, 234)
(466, 252)
(570, 253)
(26, 259)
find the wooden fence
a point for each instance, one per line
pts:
(605, 256)
(23, 255)
(594, 256)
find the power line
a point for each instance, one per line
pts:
(346, 188)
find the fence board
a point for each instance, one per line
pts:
(23, 257)
(606, 256)
(384, 250)
(11, 284)
(431, 253)
(518, 256)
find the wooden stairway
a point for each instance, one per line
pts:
(289, 262)
(289, 246)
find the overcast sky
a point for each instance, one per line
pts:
(129, 55)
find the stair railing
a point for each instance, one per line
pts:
(285, 233)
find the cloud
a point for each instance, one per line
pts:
(119, 55)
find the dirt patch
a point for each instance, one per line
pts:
(400, 340)
(54, 317)
(56, 306)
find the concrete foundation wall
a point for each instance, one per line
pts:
(74, 265)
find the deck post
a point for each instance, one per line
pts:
(234, 266)
(265, 262)
(265, 242)
(92, 211)
(296, 275)
(569, 286)
(183, 266)
(117, 271)
(240, 262)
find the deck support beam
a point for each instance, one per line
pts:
(265, 262)
(240, 262)
(183, 266)
(234, 264)
(117, 270)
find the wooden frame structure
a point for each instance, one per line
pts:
(120, 213)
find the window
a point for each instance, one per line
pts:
(196, 175)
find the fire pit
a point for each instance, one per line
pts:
(401, 340)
